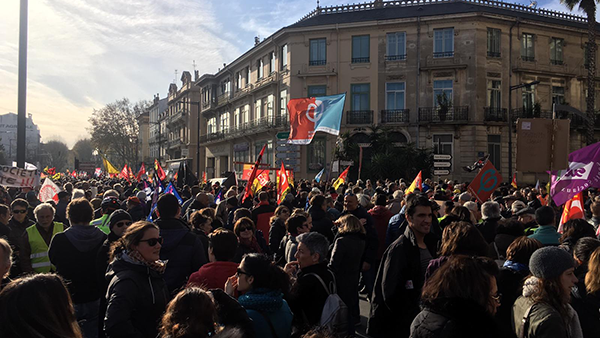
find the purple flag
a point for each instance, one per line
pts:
(583, 173)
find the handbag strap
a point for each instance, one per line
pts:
(270, 323)
(525, 323)
(323, 282)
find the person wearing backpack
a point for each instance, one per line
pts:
(309, 272)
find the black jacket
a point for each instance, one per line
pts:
(587, 306)
(372, 241)
(137, 296)
(397, 291)
(183, 250)
(15, 239)
(510, 285)
(276, 233)
(488, 229)
(321, 223)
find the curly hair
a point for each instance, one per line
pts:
(191, 313)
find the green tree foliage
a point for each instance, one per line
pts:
(115, 130)
(83, 150)
(58, 155)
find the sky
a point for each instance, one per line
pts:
(83, 54)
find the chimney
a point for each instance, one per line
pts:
(196, 75)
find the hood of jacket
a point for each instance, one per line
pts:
(85, 237)
(317, 213)
(172, 230)
(379, 211)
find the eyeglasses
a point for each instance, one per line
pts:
(153, 241)
(123, 223)
(497, 297)
(242, 272)
(19, 211)
(245, 228)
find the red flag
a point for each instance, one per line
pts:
(159, 170)
(514, 181)
(248, 191)
(204, 177)
(283, 184)
(141, 172)
(74, 173)
(487, 180)
(124, 173)
(341, 179)
(573, 209)
(129, 172)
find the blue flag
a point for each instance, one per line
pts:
(319, 175)
(219, 196)
(171, 190)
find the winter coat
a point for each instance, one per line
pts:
(393, 229)
(372, 244)
(136, 298)
(15, 238)
(510, 285)
(395, 205)
(455, 318)
(587, 306)
(137, 213)
(213, 275)
(276, 233)
(182, 249)
(547, 235)
(398, 285)
(381, 215)
(488, 228)
(321, 223)
(268, 311)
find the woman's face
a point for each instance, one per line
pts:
(246, 232)
(207, 227)
(494, 301)
(244, 280)
(284, 215)
(149, 246)
(567, 281)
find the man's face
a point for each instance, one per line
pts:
(45, 217)
(526, 218)
(420, 221)
(4, 218)
(203, 199)
(350, 202)
(19, 213)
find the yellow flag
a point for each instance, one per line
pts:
(416, 184)
(110, 169)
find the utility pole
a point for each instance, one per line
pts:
(22, 96)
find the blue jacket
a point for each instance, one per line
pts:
(264, 306)
(547, 235)
(393, 230)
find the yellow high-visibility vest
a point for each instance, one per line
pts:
(39, 249)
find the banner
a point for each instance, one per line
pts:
(484, 184)
(283, 184)
(49, 191)
(583, 173)
(341, 179)
(18, 177)
(312, 114)
(573, 209)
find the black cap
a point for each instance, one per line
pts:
(110, 203)
(525, 211)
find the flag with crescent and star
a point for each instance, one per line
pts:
(312, 114)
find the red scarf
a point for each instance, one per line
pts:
(252, 244)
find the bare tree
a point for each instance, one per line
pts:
(58, 155)
(83, 150)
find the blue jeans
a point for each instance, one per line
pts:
(87, 317)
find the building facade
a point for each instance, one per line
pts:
(399, 63)
(144, 136)
(155, 136)
(8, 138)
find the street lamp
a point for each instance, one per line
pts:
(197, 104)
(510, 122)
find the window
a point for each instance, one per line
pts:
(283, 103)
(246, 114)
(270, 107)
(241, 155)
(556, 51)
(495, 150)
(316, 155)
(271, 63)
(528, 96)
(317, 91)
(260, 71)
(443, 43)
(394, 95)
(247, 76)
(396, 46)
(442, 87)
(318, 52)
(558, 95)
(494, 97)
(283, 56)
(239, 80)
(267, 158)
(360, 48)
(225, 122)
(442, 144)
(257, 109)
(360, 96)
(493, 42)
(527, 47)
(237, 118)
(211, 126)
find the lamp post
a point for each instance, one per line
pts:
(510, 122)
(197, 104)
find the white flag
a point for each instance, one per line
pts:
(48, 191)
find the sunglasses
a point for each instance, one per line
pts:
(242, 272)
(120, 224)
(153, 241)
(245, 229)
(19, 211)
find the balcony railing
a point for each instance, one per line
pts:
(436, 115)
(528, 58)
(493, 54)
(317, 62)
(493, 114)
(399, 57)
(395, 116)
(556, 62)
(261, 124)
(443, 54)
(359, 117)
(530, 114)
(361, 60)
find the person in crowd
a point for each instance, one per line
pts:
(447, 208)
(395, 300)
(573, 230)
(18, 224)
(221, 209)
(513, 273)
(231, 207)
(507, 231)
(262, 212)
(201, 227)
(543, 310)
(321, 223)
(108, 206)
(346, 256)
(193, 313)
(527, 217)
(307, 296)
(249, 243)
(36, 240)
(5, 262)
(394, 205)
(181, 248)
(222, 247)
(4, 219)
(546, 232)
(458, 238)
(277, 230)
(201, 201)
(74, 253)
(460, 300)
(137, 294)
(263, 285)
(61, 207)
(458, 214)
(586, 303)
(212, 214)
(37, 306)
(135, 209)
(464, 198)
(595, 213)
(474, 209)
(490, 213)
(381, 217)
(296, 225)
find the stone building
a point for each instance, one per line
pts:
(395, 60)
(156, 138)
(8, 138)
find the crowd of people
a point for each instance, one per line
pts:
(109, 259)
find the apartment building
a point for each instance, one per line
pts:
(396, 60)
(156, 140)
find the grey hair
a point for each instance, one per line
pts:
(109, 193)
(472, 206)
(490, 209)
(316, 243)
(465, 197)
(7, 252)
(77, 193)
(41, 207)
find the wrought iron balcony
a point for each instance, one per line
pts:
(493, 54)
(361, 60)
(556, 62)
(399, 57)
(359, 117)
(443, 54)
(395, 116)
(528, 58)
(530, 114)
(262, 124)
(437, 115)
(493, 114)
(317, 62)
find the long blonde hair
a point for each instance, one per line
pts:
(350, 223)
(592, 278)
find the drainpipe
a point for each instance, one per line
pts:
(418, 75)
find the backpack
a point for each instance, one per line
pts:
(335, 313)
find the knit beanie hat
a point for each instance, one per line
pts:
(117, 216)
(550, 262)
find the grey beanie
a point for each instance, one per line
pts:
(550, 262)
(117, 216)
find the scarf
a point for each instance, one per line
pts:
(252, 244)
(515, 266)
(262, 300)
(136, 258)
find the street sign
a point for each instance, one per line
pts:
(442, 157)
(283, 135)
(346, 163)
(288, 147)
(288, 155)
(441, 172)
(442, 164)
